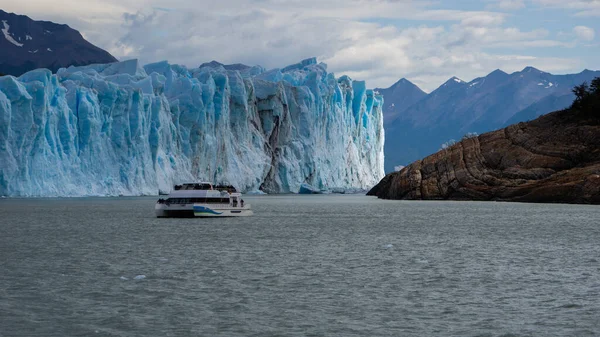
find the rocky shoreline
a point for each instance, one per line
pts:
(552, 159)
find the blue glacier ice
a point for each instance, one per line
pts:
(124, 129)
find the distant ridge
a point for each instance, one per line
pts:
(422, 125)
(235, 66)
(27, 44)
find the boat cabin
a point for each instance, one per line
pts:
(193, 187)
(236, 200)
(202, 200)
(203, 193)
(204, 186)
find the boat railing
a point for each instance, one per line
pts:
(183, 201)
(193, 187)
(226, 188)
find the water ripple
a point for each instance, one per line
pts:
(303, 266)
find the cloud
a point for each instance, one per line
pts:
(482, 20)
(429, 56)
(508, 5)
(583, 8)
(376, 52)
(584, 33)
(376, 40)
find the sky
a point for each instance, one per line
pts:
(379, 41)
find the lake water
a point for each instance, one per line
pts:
(321, 265)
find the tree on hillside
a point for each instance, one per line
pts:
(580, 92)
(587, 98)
(595, 87)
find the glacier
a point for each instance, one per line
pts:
(126, 129)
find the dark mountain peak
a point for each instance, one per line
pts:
(402, 87)
(216, 64)
(399, 97)
(404, 84)
(491, 80)
(212, 64)
(402, 81)
(237, 66)
(453, 82)
(529, 69)
(27, 44)
(497, 73)
(532, 70)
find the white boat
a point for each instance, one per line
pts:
(202, 200)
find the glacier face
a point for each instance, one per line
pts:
(124, 129)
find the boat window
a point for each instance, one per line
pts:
(217, 200)
(201, 200)
(180, 201)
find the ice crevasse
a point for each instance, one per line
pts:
(124, 129)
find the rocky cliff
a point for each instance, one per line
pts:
(26, 45)
(555, 158)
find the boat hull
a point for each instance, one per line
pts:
(200, 211)
(204, 211)
(174, 210)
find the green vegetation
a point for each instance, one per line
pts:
(587, 98)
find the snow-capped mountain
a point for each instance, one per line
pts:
(109, 129)
(27, 44)
(483, 104)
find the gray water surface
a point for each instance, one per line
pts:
(322, 265)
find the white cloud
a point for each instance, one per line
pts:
(583, 8)
(584, 33)
(482, 20)
(509, 5)
(355, 37)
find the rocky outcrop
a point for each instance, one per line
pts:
(555, 158)
(26, 45)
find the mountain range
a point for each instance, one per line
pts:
(27, 44)
(417, 124)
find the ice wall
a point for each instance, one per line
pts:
(123, 129)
